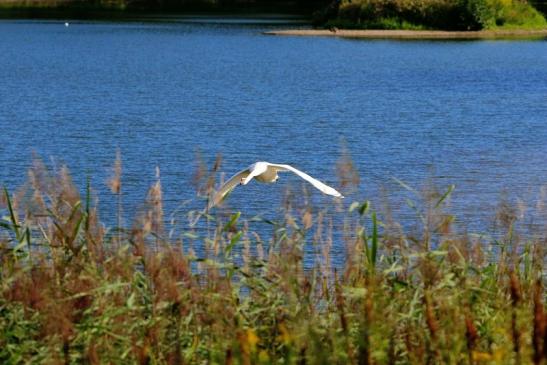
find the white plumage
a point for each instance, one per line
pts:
(267, 173)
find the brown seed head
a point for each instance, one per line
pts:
(115, 182)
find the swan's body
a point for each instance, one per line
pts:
(266, 172)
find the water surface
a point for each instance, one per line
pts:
(469, 113)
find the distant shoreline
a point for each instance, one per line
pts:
(413, 34)
(96, 12)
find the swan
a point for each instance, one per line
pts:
(266, 172)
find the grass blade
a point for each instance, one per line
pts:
(374, 243)
(13, 219)
(445, 195)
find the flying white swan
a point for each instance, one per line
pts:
(266, 172)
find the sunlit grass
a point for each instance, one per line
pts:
(73, 291)
(437, 14)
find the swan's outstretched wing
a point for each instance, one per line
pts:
(228, 186)
(318, 184)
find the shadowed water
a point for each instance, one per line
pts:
(473, 114)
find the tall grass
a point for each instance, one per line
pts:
(73, 291)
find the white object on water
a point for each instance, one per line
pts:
(66, 24)
(267, 173)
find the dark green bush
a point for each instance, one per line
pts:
(437, 14)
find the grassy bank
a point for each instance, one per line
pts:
(73, 291)
(121, 9)
(433, 14)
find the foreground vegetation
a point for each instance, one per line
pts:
(74, 292)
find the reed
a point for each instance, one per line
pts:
(72, 291)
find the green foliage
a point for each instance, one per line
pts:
(437, 14)
(491, 14)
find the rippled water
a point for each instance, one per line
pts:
(471, 113)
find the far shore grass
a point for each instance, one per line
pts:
(414, 34)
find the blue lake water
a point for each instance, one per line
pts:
(469, 113)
